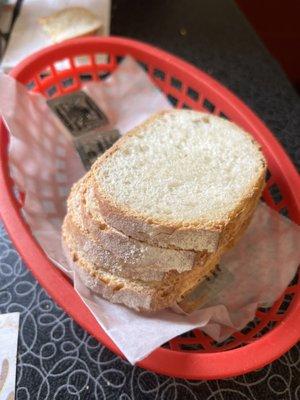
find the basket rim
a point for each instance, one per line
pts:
(189, 365)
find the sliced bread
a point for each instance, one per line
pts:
(132, 258)
(124, 267)
(183, 179)
(143, 258)
(140, 295)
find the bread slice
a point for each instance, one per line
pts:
(110, 262)
(145, 261)
(113, 260)
(183, 179)
(70, 23)
(143, 288)
(121, 283)
(136, 259)
(149, 296)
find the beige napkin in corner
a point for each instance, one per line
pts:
(9, 328)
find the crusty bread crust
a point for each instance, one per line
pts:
(200, 235)
(137, 294)
(120, 266)
(57, 24)
(132, 258)
(129, 289)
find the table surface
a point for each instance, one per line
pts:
(59, 360)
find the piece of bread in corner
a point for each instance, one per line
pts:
(183, 179)
(70, 23)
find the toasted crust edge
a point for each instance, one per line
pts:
(198, 236)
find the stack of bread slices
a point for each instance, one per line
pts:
(155, 213)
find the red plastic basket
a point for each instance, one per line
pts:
(193, 355)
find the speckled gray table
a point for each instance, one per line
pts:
(56, 358)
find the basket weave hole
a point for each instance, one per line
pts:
(191, 347)
(296, 279)
(251, 325)
(31, 85)
(143, 65)
(159, 74)
(247, 329)
(189, 334)
(284, 211)
(268, 175)
(173, 100)
(209, 106)
(176, 83)
(222, 115)
(267, 328)
(86, 77)
(226, 342)
(101, 58)
(68, 82)
(45, 73)
(275, 193)
(288, 297)
(192, 94)
(51, 91)
(82, 60)
(103, 75)
(119, 59)
(62, 65)
(264, 310)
